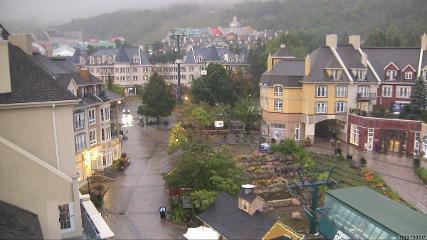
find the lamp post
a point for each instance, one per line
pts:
(178, 87)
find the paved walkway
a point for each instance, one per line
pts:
(132, 202)
(396, 171)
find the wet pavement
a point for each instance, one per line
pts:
(132, 202)
(396, 170)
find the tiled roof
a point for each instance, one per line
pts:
(17, 223)
(122, 55)
(352, 59)
(401, 57)
(64, 71)
(283, 52)
(231, 222)
(320, 59)
(30, 82)
(285, 72)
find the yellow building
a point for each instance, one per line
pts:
(297, 94)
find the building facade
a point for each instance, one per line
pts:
(298, 96)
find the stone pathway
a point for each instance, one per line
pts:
(396, 171)
(132, 202)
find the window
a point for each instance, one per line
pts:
(92, 137)
(278, 105)
(404, 92)
(92, 118)
(134, 69)
(145, 77)
(278, 125)
(354, 137)
(363, 91)
(64, 216)
(278, 90)
(340, 107)
(391, 74)
(79, 119)
(425, 75)
(341, 91)
(336, 74)
(136, 60)
(387, 91)
(135, 78)
(360, 74)
(321, 107)
(105, 134)
(321, 91)
(191, 69)
(408, 75)
(80, 142)
(105, 114)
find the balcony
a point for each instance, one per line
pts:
(366, 96)
(94, 225)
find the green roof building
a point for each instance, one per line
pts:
(362, 213)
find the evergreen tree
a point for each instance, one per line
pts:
(419, 95)
(109, 82)
(157, 99)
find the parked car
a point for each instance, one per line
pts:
(126, 110)
(264, 148)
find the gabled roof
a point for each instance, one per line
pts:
(283, 52)
(409, 66)
(392, 215)
(391, 64)
(30, 82)
(401, 57)
(231, 222)
(64, 71)
(17, 223)
(122, 55)
(352, 59)
(320, 59)
(286, 72)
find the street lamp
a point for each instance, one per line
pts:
(178, 88)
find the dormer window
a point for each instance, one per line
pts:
(425, 75)
(135, 60)
(409, 75)
(199, 59)
(360, 74)
(391, 74)
(110, 60)
(278, 90)
(334, 74)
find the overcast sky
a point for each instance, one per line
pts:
(61, 11)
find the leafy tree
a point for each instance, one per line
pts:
(204, 118)
(247, 112)
(242, 83)
(177, 138)
(419, 95)
(213, 88)
(157, 99)
(203, 168)
(203, 199)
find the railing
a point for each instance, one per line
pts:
(366, 96)
(94, 225)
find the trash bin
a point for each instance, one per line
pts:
(162, 212)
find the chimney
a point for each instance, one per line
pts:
(5, 81)
(331, 41)
(84, 73)
(307, 65)
(23, 41)
(269, 63)
(424, 42)
(354, 40)
(364, 59)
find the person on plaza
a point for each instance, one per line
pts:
(162, 211)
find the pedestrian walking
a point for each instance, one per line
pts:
(162, 211)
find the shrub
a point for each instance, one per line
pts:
(422, 174)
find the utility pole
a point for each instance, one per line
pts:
(176, 35)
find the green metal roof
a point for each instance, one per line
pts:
(392, 215)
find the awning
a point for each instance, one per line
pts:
(201, 233)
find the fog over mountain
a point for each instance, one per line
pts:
(18, 13)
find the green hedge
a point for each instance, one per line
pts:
(422, 174)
